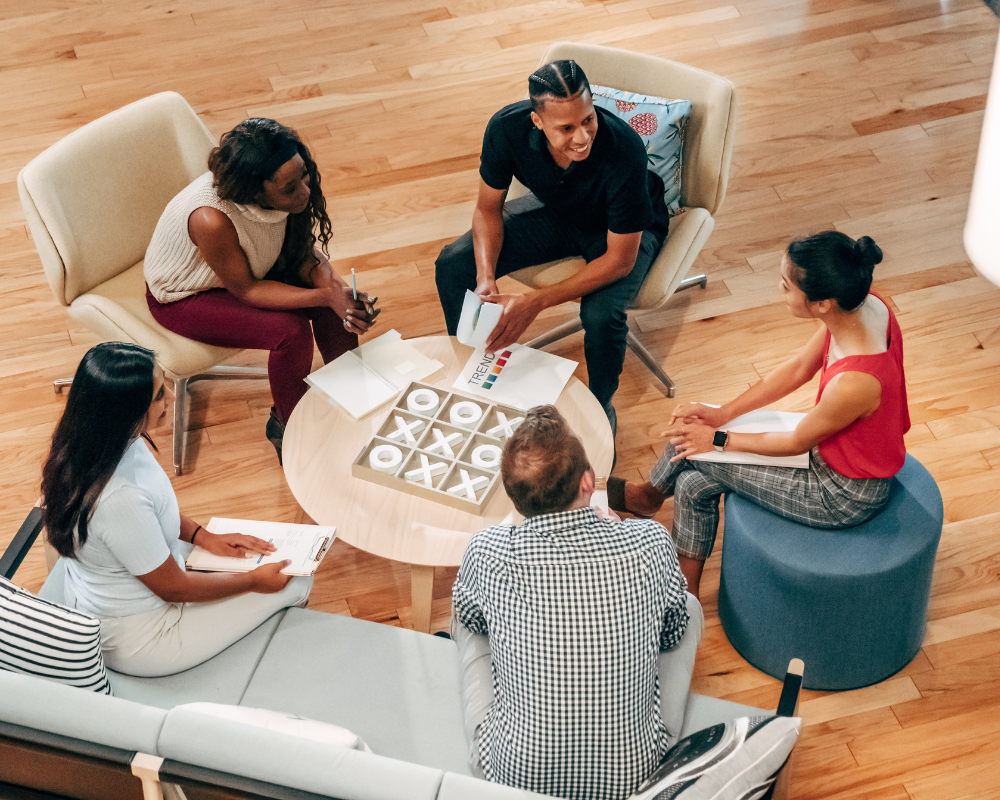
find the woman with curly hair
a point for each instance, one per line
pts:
(233, 262)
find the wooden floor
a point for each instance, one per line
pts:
(862, 115)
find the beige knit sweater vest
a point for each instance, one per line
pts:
(174, 268)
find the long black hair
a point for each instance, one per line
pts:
(107, 406)
(250, 154)
(833, 266)
(558, 79)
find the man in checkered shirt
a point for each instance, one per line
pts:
(577, 607)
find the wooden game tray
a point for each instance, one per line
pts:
(419, 438)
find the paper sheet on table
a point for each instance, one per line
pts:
(762, 420)
(517, 376)
(364, 379)
(304, 545)
(478, 320)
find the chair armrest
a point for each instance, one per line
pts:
(688, 233)
(12, 557)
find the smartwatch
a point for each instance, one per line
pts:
(719, 440)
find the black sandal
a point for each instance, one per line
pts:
(616, 497)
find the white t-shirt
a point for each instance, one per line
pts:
(136, 525)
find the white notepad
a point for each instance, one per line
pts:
(362, 380)
(763, 420)
(303, 545)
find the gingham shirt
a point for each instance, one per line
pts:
(577, 609)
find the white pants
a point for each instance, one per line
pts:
(674, 669)
(177, 637)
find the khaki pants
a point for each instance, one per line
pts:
(178, 637)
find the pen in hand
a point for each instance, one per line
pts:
(354, 283)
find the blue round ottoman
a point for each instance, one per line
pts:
(851, 603)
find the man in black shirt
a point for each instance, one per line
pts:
(591, 196)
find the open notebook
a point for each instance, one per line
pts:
(362, 380)
(762, 420)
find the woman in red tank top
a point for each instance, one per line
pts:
(854, 433)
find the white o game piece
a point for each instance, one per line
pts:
(465, 414)
(487, 456)
(423, 401)
(385, 458)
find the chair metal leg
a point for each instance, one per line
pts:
(224, 372)
(647, 358)
(181, 401)
(697, 280)
(556, 334)
(58, 383)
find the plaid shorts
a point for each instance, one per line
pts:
(818, 497)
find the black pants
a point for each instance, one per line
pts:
(532, 235)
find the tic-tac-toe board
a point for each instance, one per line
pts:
(440, 445)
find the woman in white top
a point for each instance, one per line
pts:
(233, 262)
(110, 511)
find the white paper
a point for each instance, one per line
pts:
(364, 379)
(517, 376)
(477, 321)
(763, 420)
(303, 545)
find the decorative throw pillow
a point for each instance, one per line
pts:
(736, 760)
(50, 641)
(282, 722)
(661, 124)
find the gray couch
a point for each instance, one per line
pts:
(397, 689)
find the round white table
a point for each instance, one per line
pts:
(322, 440)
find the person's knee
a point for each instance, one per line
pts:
(294, 331)
(454, 261)
(604, 319)
(297, 591)
(693, 489)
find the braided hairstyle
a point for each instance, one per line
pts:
(832, 265)
(250, 154)
(559, 79)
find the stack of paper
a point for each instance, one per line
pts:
(516, 376)
(364, 379)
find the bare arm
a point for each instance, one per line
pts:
(487, 236)
(520, 310)
(795, 372)
(215, 235)
(172, 584)
(848, 396)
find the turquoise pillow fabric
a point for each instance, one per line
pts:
(660, 123)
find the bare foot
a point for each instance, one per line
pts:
(643, 499)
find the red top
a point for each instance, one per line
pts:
(871, 447)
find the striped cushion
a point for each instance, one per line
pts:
(51, 641)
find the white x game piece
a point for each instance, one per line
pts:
(468, 485)
(406, 430)
(426, 471)
(443, 442)
(506, 427)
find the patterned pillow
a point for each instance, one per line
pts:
(50, 641)
(661, 124)
(736, 760)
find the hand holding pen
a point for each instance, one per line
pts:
(361, 312)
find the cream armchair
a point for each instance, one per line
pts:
(92, 201)
(708, 148)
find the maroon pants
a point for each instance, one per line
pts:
(218, 318)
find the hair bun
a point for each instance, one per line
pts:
(869, 252)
